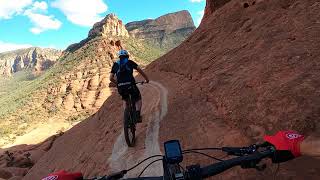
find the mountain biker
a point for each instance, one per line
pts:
(122, 75)
(289, 145)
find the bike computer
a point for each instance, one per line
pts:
(173, 153)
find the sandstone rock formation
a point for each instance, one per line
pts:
(166, 32)
(36, 59)
(85, 87)
(111, 25)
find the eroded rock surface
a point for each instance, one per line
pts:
(111, 25)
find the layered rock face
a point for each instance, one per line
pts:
(111, 25)
(36, 59)
(85, 87)
(166, 32)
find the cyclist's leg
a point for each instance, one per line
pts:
(124, 94)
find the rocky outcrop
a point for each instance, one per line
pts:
(36, 59)
(111, 25)
(85, 87)
(82, 94)
(166, 32)
(213, 5)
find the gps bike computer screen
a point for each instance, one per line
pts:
(173, 152)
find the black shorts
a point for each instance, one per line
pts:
(124, 91)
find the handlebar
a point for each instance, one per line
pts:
(249, 157)
(248, 161)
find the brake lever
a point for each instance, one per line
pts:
(240, 151)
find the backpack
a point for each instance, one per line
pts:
(124, 72)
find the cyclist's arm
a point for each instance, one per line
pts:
(143, 74)
(112, 79)
(310, 147)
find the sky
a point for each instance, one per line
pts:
(59, 23)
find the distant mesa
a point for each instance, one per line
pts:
(165, 32)
(35, 59)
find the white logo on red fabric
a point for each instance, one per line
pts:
(293, 135)
(55, 177)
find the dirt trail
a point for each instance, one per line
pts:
(154, 109)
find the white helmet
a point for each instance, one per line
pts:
(123, 52)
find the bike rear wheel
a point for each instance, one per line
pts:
(129, 125)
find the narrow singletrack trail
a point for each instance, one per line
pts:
(155, 107)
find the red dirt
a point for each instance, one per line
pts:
(243, 73)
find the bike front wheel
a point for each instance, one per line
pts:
(129, 128)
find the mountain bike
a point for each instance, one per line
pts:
(130, 119)
(246, 157)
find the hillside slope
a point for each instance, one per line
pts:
(249, 69)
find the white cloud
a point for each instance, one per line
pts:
(40, 21)
(11, 46)
(43, 22)
(40, 5)
(200, 16)
(196, 1)
(84, 12)
(9, 8)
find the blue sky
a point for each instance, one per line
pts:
(59, 23)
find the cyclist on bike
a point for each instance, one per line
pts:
(122, 75)
(289, 145)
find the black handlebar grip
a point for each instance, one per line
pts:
(217, 168)
(117, 175)
(193, 172)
